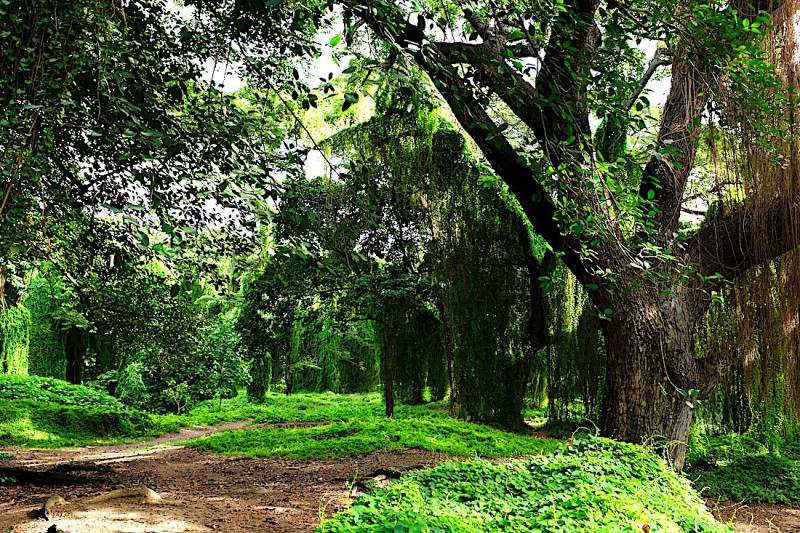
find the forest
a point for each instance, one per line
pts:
(399, 266)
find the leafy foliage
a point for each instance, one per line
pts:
(593, 485)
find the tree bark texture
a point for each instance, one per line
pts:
(653, 378)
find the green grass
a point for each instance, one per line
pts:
(307, 407)
(738, 467)
(51, 425)
(50, 413)
(45, 390)
(80, 416)
(595, 485)
(345, 439)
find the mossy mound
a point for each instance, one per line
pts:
(594, 485)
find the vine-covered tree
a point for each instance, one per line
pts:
(616, 227)
(525, 79)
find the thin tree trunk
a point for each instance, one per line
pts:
(75, 350)
(388, 375)
(388, 357)
(287, 372)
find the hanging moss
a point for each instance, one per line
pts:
(420, 358)
(47, 355)
(575, 359)
(14, 340)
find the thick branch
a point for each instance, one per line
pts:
(742, 240)
(534, 199)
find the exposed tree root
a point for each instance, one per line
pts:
(46, 511)
(149, 495)
(80, 467)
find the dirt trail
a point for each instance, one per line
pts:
(757, 518)
(206, 492)
(200, 491)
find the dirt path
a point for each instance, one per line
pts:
(200, 491)
(757, 518)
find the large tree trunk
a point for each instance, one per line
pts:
(652, 378)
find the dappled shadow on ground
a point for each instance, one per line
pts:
(203, 492)
(757, 517)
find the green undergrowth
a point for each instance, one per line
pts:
(594, 485)
(51, 425)
(40, 389)
(738, 467)
(345, 439)
(51, 413)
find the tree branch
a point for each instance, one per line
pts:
(665, 176)
(660, 59)
(728, 245)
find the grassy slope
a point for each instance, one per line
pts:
(51, 413)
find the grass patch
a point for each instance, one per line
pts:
(47, 390)
(50, 425)
(435, 432)
(595, 485)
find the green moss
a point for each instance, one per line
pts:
(596, 485)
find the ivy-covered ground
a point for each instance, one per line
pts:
(594, 485)
(297, 461)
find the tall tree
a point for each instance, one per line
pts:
(551, 64)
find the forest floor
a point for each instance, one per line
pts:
(201, 491)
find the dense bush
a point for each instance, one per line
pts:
(596, 485)
(761, 478)
(704, 452)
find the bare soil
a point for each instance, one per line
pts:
(200, 491)
(205, 492)
(757, 518)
